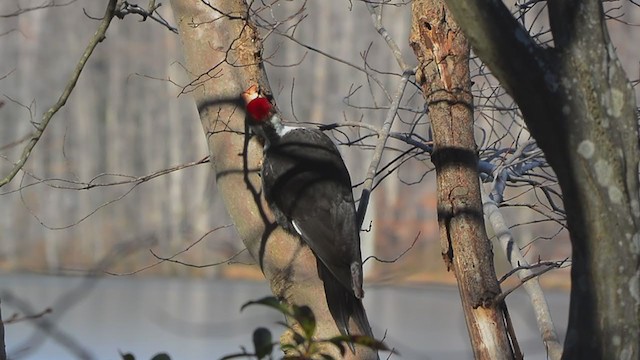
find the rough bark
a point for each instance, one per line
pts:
(443, 54)
(222, 53)
(580, 107)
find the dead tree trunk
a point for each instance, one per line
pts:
(443, 54)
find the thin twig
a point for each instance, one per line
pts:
(67, 184)
(170, 259)
(16, 318)
(524, 280)
(48, 4)
(545, 264)
(415, 240)
(376, 17)
(151, 12)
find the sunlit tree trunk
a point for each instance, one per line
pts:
(289, 266)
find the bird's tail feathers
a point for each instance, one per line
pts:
(343, 304)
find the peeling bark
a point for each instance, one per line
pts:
(443, 54)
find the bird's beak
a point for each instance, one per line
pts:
(250, 94)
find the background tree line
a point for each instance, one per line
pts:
(501, 136)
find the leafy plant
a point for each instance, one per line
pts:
(304, 346)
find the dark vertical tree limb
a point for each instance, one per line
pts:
(3, 350)
(443, 54)
(223, 55)
(582, 113)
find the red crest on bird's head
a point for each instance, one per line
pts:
(258, 107)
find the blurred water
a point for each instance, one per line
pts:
(200, 319)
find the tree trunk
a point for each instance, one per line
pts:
(222, 53)
(580, 107)
(599, 179)
(443, 54)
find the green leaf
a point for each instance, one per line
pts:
(271, 302)
(363, 340)
(328, 357)
(262, 342)
(127, 356)
(304, 316)
(285, 347)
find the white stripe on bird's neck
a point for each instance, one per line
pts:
(278, 131)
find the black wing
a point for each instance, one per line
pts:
(309, 189)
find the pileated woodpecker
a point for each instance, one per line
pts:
(307, 186)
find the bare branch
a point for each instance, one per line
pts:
(67, 184)
(16, 318)
(376, 17)
(171, 258)
(125, 8)
(369, 74)
(525, 279)
(413, 243)
(40, 128)
(517, 260)
(78, 185)
(380, 146)
(539, 264)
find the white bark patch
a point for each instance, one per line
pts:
(634, 287)
(586, 148)
(604, 172)
(617, 102)
(616, 340)
(634, 246)
(615, 195)
(635, 208)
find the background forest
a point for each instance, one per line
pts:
(121, 184)
(93, 182)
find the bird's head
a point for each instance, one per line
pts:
(263, 119)
(258, 107)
